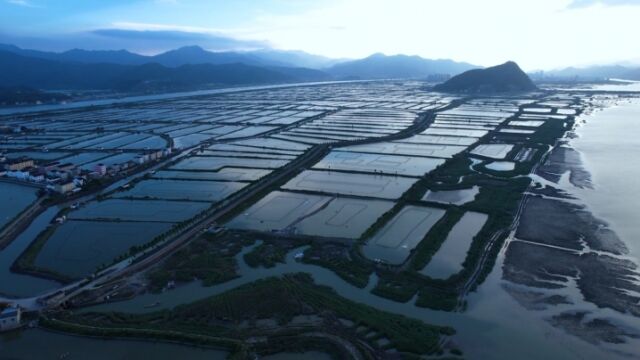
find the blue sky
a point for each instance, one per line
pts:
(539, 34)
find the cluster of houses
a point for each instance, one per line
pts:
(64, 178)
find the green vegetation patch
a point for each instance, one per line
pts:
(338, 258)
(229, 319)
(271, 251)
(210, 258)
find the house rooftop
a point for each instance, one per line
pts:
(9, 312)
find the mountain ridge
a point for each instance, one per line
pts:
(380, 66)
(507, 77)
(51, 74)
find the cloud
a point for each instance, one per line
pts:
(148, 42)
(575, 4)
(169, 39)
(23, 3)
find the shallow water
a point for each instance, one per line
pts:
(609, 143)
(455, 197)
(77, 248)
(18, 285)
(344, 218)
(332, 182)
(378, 163)
(493, 326)
(393, 243)
(277, 210)
(182, 190)
(226, 174)
(501, 165)
(14, 198)
(39, 344)
(448, 259)
(139, 210)
(494, 151)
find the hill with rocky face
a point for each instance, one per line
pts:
(507, 77)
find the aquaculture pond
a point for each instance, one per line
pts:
(225, 174)
(343, 218)
(494, 151)
(408, 149)
(333, 182)
(20, 285)
(454, 197)
(439, 139)
(501, 165)
(210, 163)
(14, 198)
(77, 248)
(40, 344)
(139, 210)
(277, 211)
(393, 243)
(182, 190)
(448, 259)
(377, 163)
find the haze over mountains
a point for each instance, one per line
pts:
(598, 72)
(192, 67)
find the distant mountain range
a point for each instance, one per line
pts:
(46, 74)
(380, 66)
(188, 55)
(507, 77)
(602, 72)
(194, 67)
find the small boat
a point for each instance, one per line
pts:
(152, 305)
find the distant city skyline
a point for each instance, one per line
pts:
(543, 34)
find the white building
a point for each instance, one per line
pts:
(10, 318)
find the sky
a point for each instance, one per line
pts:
(538, 34)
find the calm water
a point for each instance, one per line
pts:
(448, 259)
(456, 197)
(610, 143)
(18, 285)
(77, 248)
(13, 199)
(39, 344)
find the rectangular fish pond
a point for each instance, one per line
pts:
(331, 182)
(393, 243)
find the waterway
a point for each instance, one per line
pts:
(40, 344)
